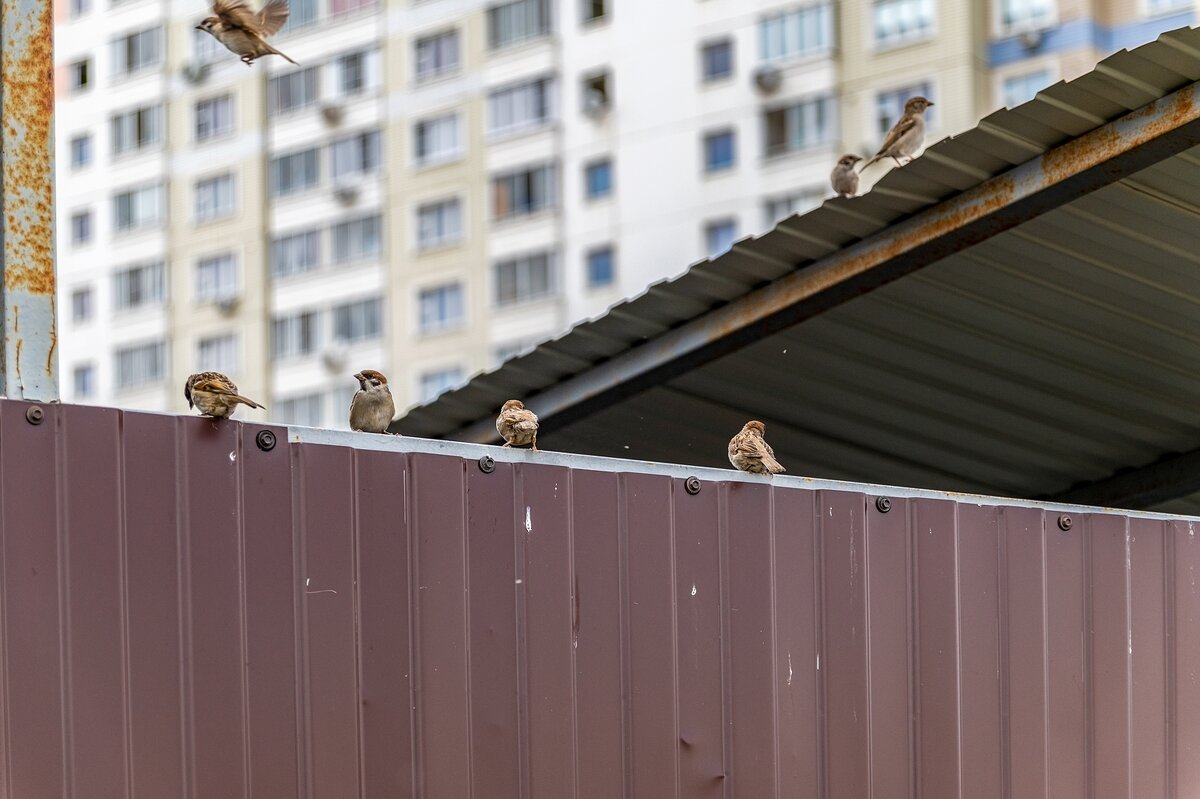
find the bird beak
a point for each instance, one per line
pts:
(358, 377)
(199, 27)
(931, 104)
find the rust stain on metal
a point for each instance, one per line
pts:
(29, 108)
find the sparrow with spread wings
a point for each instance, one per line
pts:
(906, 136)
(243, 31)
(214, 394)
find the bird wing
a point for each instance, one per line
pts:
(756, 447)
(236, 14)
(519, 420)
(905, 124)
(272, 17)
(214, 382)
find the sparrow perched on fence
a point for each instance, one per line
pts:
(749, 451)
(517, 425)
(214, 394)
(906, 136)
(372, 408)
(843, 177)
(243, 31)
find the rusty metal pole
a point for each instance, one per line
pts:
(28, 361)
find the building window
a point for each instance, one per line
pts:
(720, 151)
(214, 198)
(437, 55)
(517, 21)
(80, 74)
(437, 139)
(218, 354)
(776, 209)
(596, 93)
(525, 278)
(137, 51)
(205, 48)
(302, 13)
(1019, 15)
(80, 7)
(597, 179)
(137, 129)
(358, 321)
(293, 91)
(294, 172)
(1019, 89)
(797, 33)
(304, 410)
(440, 308)
(799, 126)
(439, 223)
(594, 10)
(81, 227)
(900, 21)
(83, 378)
(356, 155)
(214, 117)
(216, 278)
(356, 239)
(511, 349)
(82, 304)
(138, 208)
(139, 286)
(889, 106)
(719, 236)
(601, 267)
(141, 364)
(522, 193)
(353, 73)
(1164, 6)
(296, 253)
(294, 335)
(339, 7)
(520, 107)
(436, 383)
(81, 151)
(716, 60)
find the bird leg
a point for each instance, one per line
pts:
(507, 444)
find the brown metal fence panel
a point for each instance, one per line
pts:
(184, 613)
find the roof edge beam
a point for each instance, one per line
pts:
(1085, 164)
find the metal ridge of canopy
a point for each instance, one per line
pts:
(597, 463)
(1098, 158)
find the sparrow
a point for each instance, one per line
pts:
(843, 177)
(214, 394)
(906, 136)
(517, 425)
(372, 408)
(244, 32)
(749, 452)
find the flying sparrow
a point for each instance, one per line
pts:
(844, 178)
(749, 451)
(244, 32)
(906, 136)
(214, 394)
(372, 408)
(517, 426)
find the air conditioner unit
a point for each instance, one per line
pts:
(334, 357)
(768, 79)
(346, 194)
(195, 72)
(332, 113)
(227, 306)
(1032, 39)
(595, 104)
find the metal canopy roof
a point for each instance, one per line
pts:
(1016, 311)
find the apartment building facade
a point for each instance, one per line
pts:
(442, 183)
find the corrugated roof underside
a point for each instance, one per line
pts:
(1009, 368)
(186, 615)
(1121, 83)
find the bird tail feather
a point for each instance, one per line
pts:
(870, 161)
(246, 401)
(281, 53)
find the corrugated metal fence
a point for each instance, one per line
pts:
(187, 615)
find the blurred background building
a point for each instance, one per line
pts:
(442, 183)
